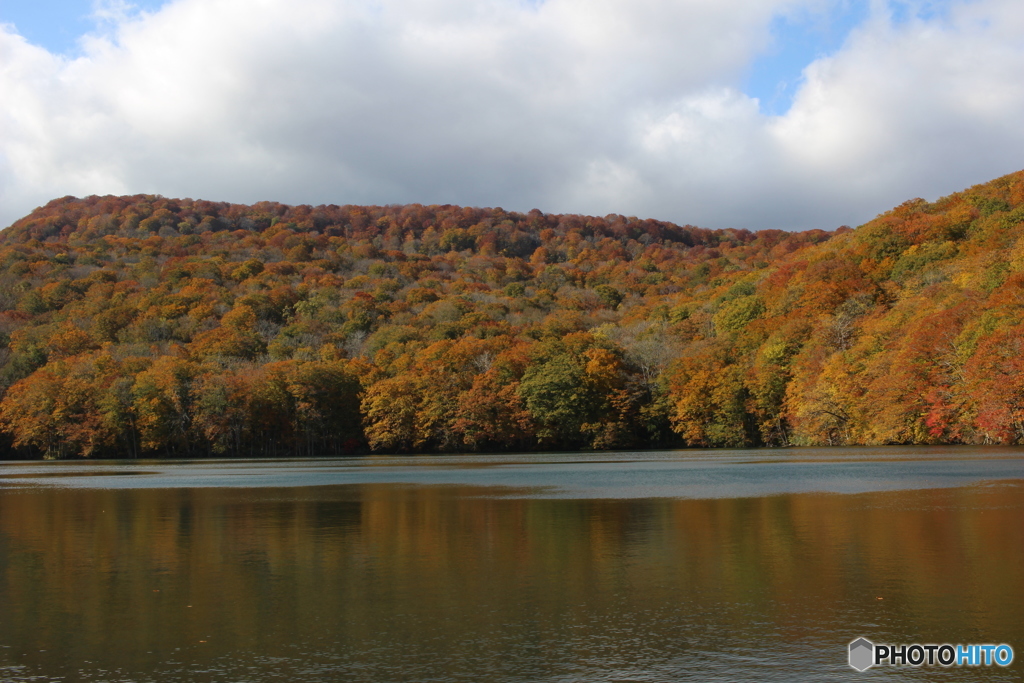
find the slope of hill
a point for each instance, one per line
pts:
(142, 326)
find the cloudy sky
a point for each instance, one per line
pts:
(754, 114)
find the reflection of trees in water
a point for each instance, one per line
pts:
(443, 569)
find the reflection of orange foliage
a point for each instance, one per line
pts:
(342, 562)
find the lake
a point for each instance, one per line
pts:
(722, 565)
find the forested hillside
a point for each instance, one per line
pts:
(143, 326)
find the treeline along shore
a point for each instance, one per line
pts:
(150, 327)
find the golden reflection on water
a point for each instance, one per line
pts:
(395, 582)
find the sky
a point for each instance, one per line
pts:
(756, 114)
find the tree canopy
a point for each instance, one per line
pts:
(145, 326)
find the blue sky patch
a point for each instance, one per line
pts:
(798, 40)
(57, 24)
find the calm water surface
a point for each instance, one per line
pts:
(678, 566)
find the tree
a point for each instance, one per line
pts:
(163, 404)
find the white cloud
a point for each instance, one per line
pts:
(592, 106)
(919, 108)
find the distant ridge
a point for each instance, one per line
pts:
(145, 326)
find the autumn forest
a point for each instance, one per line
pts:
(150, 327)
